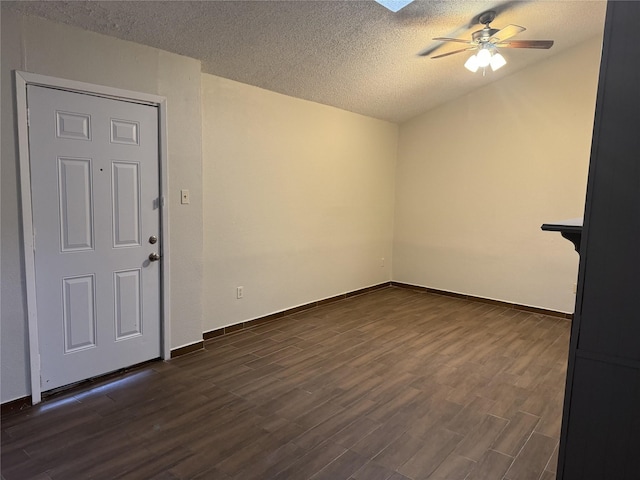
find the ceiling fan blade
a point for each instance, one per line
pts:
(454, 52)
(447, 39)
(507, 32)
(544, 44)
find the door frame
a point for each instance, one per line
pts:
(23, 79)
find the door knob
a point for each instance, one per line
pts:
(154, 257)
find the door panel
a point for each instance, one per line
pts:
(79, 312)
(94, 188)
(128, 304)
(126, 205)
(75, 200)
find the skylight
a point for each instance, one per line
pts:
(394, 5)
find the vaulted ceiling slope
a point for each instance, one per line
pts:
(351, 54)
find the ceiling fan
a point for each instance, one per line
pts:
(487, 41)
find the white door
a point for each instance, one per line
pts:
(95, 201)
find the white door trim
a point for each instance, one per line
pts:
(22, 80)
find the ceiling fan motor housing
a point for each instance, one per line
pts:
(483, 36)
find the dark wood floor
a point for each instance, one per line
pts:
(394, 384)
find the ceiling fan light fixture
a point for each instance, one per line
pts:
(472, 64)
(484, 57)
(497, 61)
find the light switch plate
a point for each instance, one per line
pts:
(184, 197)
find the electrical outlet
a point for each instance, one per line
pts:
(184, 197)
(239, 292)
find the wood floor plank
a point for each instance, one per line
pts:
(398, 476)
(354, 432)
(546, 475)
(372, 471)
(22, 470)
(430, 456)
(311, 463)
(492, 465)
(334, 424)
(480, 439)
(454, 467)
(552, 465)
(319, 414)
(514, 436)
(378, 439)
(551, 417)
(12, 456)
(440, 414)
(532, 460)
(470, 416)
(269, 463)
(404, 398)
(155, 465)
(342, 467)
(212, 473)
(399, 451)
(192, 466)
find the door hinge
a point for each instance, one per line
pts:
(28, 117)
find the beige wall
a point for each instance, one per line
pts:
(478, 176)
(46, 48)
(298, 201)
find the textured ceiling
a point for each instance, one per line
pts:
(352, 54)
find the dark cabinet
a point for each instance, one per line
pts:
(601, 421)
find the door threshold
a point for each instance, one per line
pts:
(94, 381)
